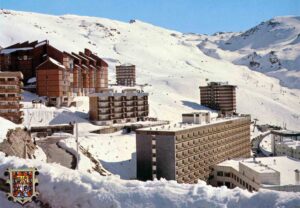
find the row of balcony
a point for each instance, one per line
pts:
(17, 113)
(15, 98)
(122, 106)
(208, 134)
(122, 110)
(12, 106)
(211, 142)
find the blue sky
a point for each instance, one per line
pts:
(199, 16)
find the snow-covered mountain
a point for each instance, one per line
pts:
(173, 65)
(272, 47)
(170, 62)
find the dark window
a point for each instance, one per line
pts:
(219, 183)
(227, 174)
(219, 173)
(227, 184)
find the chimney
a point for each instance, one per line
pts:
(254, 158)
(87, 52)
(208, 118)
(297, 177)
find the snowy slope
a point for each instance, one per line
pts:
(272, 47)
(61, 187)
(5, 125)
(170, 62)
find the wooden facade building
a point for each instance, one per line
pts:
(10, 96)
(219, 96)
(59, 75)
(125, 75)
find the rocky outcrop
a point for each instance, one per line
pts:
(18, 143)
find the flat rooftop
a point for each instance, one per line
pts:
(286, 132)
(120, 92)
(286, 166)
(184, 126)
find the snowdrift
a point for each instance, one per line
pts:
(61, 187)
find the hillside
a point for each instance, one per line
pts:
(272, 47)
(169, 61)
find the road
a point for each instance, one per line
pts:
(55, 154)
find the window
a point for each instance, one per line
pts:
(227, 184)
(219, 183)
(219, 173)
(227, 174)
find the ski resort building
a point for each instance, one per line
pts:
(275, 173)
(10, 96)
(108, 107)
(125, 75)
(187, 152)
(285, 142)
(59, 75)
(219, 96)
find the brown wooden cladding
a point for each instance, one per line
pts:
(84, 72)
(219, 97)
(10, 96)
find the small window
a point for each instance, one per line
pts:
(227, 184)
(219, 183)
(219, 173)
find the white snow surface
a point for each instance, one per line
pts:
(62, 187)
(5, 125)
(115, 152)
(272, 47)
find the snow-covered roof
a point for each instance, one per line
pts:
(184, 126)
(286, 166)
(286, 132)
(56, 62)
(31, 80)
(127, 64)
(11, 50)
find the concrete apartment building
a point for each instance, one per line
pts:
(108, 107)
(285, 142)
(59, 75)
(125, 75)
(10, 96)
(219, 96)
(275, 173)
(186, 152)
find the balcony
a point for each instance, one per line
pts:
(9, 82)
(10, 91)
(18, 113)
(16, 98)
(11, 106)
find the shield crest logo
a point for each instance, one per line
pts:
(22, 183)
